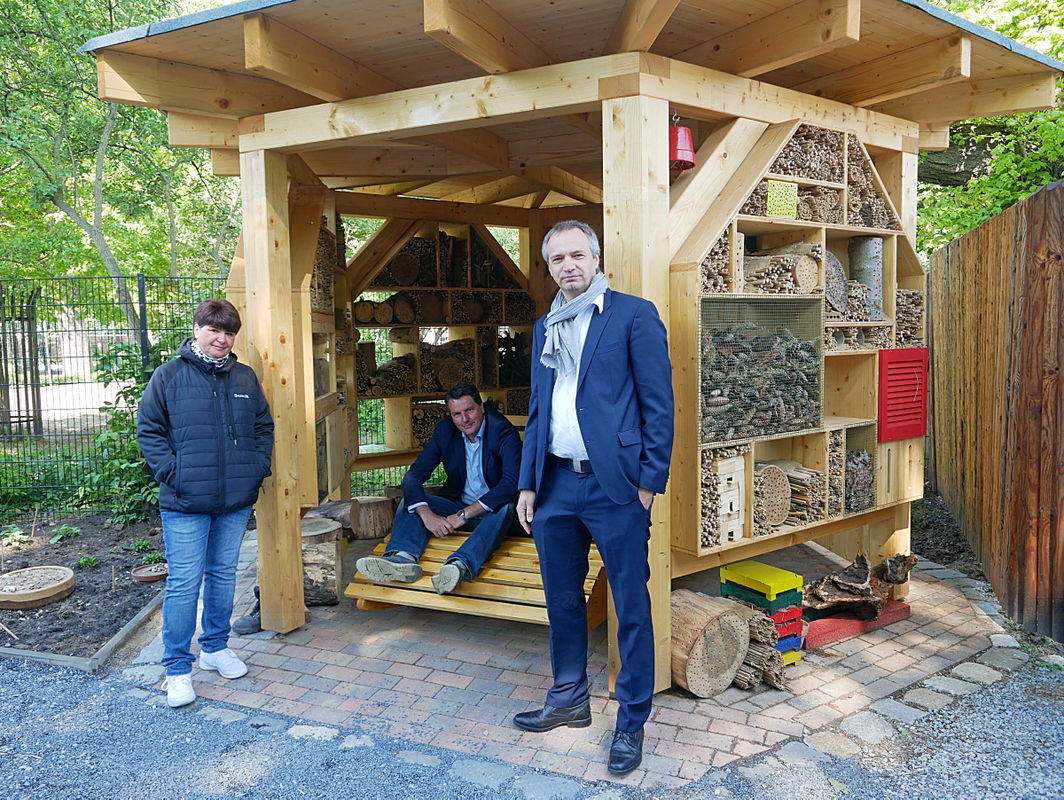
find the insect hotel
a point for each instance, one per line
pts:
(751, 167)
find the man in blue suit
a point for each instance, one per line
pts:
(596, 451)
(481, 452)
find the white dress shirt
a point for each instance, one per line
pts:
(566, 440)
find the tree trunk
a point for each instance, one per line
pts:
(709, 641)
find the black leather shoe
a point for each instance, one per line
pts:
(626, 753)
(549, 717)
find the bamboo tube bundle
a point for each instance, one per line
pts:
(820, 204)
(772, 673)
(709, 640)
(715, 267)
(808, 492)
(866, 206)
(910, 318)
(857, 307)
(762, 663)
(423, 419)
(877, 338)
(762, 628)
(836, 465)
(777, 274)
(757, 203)
(321, 278)
(812, 153)
(710, 491)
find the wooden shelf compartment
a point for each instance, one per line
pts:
(850, 384)
(857, 439)
(774, 176)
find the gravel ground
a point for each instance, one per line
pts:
(72, 735)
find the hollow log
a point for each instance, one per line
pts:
(342, 511)
(708, 643)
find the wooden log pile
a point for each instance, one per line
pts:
(836, 469)
(476, 308)
(910, 318)
(866, 206)
(443, 365)
(808, 492)
(423, 418)
(488, 358)
(520, 309)
(413, 265)
(812, 152)
(709, 532)
(860, 480)
(515, 358)
(709, 641)
(432, 307)
(780, 273)
(714, 268)
(365, 367)
(857, 305)
(395, 377)
(321, 278)
(820, 204)
(754, 385)
(858, 590)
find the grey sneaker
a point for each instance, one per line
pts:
(388, 569)
(449, 576)
(249, 623)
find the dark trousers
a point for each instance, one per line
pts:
(571, 511)
(409, 534)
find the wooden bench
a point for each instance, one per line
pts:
(508, 587)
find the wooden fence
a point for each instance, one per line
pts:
(997, 409)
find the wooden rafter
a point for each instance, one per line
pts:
(481, 35)
(353, 204)
(167, 85)
(796, 33)
(493, 191)
(225, 163)
(289, 57)
(196, 130)
(303, 174)
(388, 163)
(987, 98)
(365, 187)
(378, 250)
(639, 25)
(917, 69)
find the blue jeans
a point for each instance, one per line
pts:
(409, 534)
(200, 549)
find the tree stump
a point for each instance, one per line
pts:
(322, 561)
(375, 515)
(709, 641)
(343, 511)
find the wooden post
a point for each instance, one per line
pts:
(267, 265)
(635, 211)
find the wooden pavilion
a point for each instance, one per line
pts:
(807, 118)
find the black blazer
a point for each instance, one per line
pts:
(501, 453)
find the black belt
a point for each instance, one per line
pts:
(573, 464)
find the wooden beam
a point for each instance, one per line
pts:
(698, 92)
(264, 178)
(981, 98)
(353, 204)
(635, 249)
(378, 250)
(399, 187)
(170, 86)
(799, 32)
(481, 35)
(472, 103)
(731, 197)
(493, 191)
(553, 150)
(301, 173)
(387, 163)
(639, 25)
(717, 160)
(275, 51)
(565, 182)
(898, 172)
(225, 163)
(934, 136)
(196, 130)
(917, 69)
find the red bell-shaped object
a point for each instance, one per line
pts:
(681, 148)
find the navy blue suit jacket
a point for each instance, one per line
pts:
(501, 453)
(623, 400)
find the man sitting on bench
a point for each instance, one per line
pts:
(481, 453)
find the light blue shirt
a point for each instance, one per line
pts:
(475, 485)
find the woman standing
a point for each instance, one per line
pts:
(207, 434)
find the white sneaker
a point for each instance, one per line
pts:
(179, 691)
(224, 662)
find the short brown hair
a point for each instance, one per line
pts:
(217, 314)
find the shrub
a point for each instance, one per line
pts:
(154, 558)
(64, 532)
(87, 562)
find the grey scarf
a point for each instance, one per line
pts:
(561, 350)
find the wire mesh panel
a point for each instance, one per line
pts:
(761, 366)
(68, 350)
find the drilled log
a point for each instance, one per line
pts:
(866, 266)
(772, 491)
(364, 311)
(404, 336)
(403, 308)
(708, 643)
(836, 292)
(382, 313)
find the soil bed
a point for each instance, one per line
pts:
(936, 536)
(82, 623)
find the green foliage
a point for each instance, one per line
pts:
(143, 546)
(87, 562)
(64, 532)
(154, 558)
(1026, 150)
(12, 534)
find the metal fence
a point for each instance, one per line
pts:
(60, 342)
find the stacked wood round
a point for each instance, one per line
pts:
(709, 642)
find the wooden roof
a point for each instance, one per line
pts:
(904, 58)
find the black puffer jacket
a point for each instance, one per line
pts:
(206, 433)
